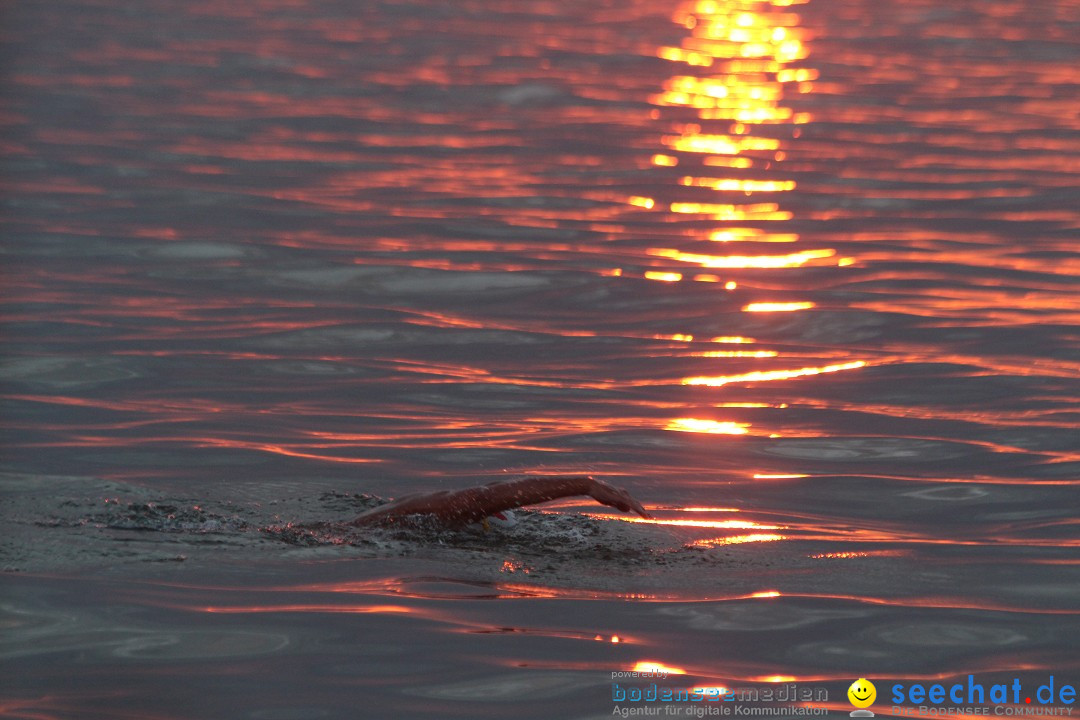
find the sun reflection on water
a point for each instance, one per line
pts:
(770, 375)
(654, 667)
(735, 67)
(737, 64)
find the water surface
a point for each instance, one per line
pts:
(801, 276)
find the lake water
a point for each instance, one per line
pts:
(802, 276)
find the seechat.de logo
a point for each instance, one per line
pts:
(862, 694)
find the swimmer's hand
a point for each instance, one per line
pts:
(615, 497)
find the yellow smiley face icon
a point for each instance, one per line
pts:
(862, 693)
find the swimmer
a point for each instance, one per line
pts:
(458, 508)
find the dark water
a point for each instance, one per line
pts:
(801, 276)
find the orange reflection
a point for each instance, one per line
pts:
(738, 540)
(734, 70)
(513, 566)
(750, 235)
(797, 259)
(932, 601)
(768, 375)
(717, 144)
(313, 608)
(734, 184)
(675, 522)
(724, 211)
(777, 306)
(707, 426)
(737, 353)
(651, 666)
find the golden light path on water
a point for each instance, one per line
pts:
(744, 53)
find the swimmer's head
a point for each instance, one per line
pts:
(504, 519)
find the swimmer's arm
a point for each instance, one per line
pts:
(461, 507)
